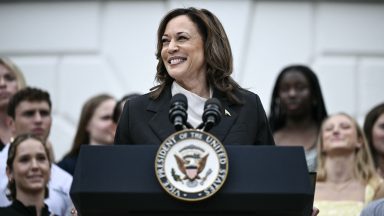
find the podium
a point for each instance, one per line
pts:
(262, 180)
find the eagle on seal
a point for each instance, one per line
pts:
(191, 165)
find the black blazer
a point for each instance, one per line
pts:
(145, 121)
(68, 163)
(18, 209)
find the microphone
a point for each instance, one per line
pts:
(212, 114)
(178, 111)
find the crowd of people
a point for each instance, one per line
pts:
(194, 58)
(349, 162)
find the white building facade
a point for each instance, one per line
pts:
(76, 49)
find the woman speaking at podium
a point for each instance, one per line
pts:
(195, 59)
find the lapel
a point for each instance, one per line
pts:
(160, 123)
(228, 118)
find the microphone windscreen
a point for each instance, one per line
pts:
(179, 98)
(212, 113)
(213, 101)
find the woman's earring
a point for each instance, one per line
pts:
(7, 190)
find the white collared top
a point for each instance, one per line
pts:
(195, 104)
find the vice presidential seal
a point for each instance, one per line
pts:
(191, 165)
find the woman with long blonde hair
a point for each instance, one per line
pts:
(11, 81)
(346, 177)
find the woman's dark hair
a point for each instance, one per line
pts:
(277, 118)
(217, 52)
(119, 106)
(370, 120)
(82, 136)
(11, 157)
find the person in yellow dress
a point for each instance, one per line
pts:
(346, 177)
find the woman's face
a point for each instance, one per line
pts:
(378, 134)
(183, 50)
(339, 133)
(31, 167)
(295, 93)
(101, 127)
(8, 85)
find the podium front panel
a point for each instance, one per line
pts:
(121, 180)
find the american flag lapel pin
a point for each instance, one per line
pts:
(227, 113)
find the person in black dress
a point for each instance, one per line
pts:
(28, 171)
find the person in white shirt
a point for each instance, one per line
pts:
(30, 111)
(374, 208)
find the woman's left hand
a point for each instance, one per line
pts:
(315, 211)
